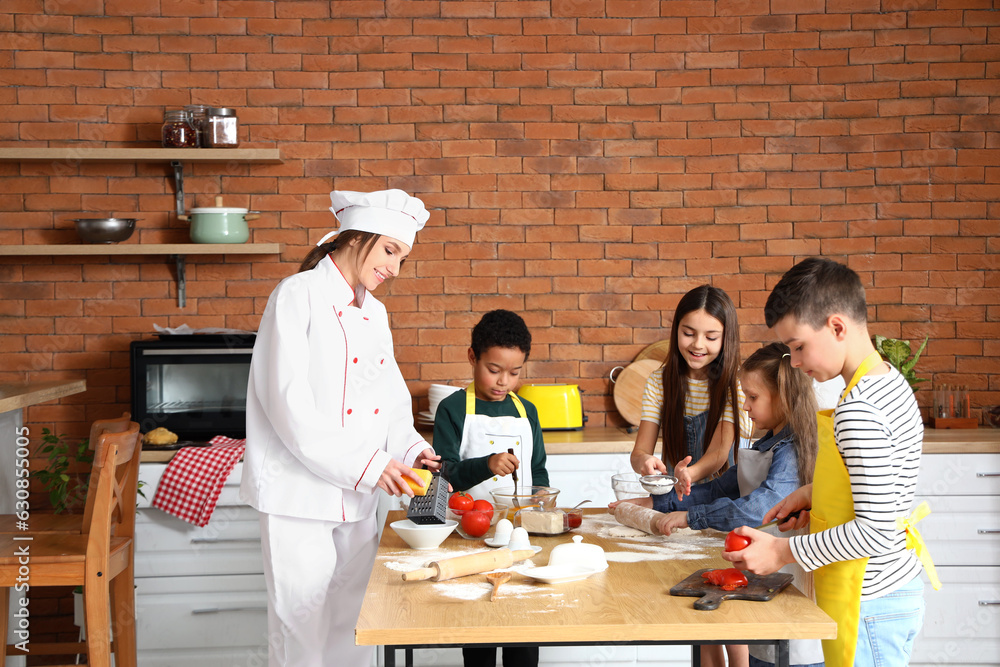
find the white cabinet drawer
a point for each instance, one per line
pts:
(167, 546)
(962, 530)
(585, 477)
(962, 622)
(959, 475)
(222, 611)
(150, 474)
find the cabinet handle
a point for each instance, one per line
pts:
(988, 474)
(988, 531)
(222, 540)
(989, 603)
(218, 610)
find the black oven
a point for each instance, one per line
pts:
(195, 386)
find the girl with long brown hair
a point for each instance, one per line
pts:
(695, 399)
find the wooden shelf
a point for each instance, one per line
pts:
(150, 154)
(144, 249)
(177, 251)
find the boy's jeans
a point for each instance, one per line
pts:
(889, 625)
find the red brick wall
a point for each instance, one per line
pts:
(587, 161)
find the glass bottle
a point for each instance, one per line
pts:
(177, 131)
(222, 130)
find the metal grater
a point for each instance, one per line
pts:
(432, 507)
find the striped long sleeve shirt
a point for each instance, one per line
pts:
(879, 434)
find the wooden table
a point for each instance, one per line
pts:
(626, 604)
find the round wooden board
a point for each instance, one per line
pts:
(657, 350)
(629, 387)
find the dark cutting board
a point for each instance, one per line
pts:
(759, 588)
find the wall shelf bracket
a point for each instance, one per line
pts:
(180, 262)
(178, 167)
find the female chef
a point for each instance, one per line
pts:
(329, 420)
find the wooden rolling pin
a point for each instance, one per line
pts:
(636, 516)
(477, 563)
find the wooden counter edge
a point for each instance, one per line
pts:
(23, 395)
(613, 440)
(813, 628)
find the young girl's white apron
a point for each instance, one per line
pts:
(751, 471)
(484, 435)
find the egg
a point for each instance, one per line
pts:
(519, 540)
(503, 531)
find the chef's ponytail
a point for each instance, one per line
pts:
(366, 241)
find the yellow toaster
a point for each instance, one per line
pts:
(559, 405)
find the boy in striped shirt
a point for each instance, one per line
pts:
(865, 478)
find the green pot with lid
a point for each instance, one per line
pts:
(220, 224)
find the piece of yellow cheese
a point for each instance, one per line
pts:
(426, 476)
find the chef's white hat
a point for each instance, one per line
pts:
(387, 212)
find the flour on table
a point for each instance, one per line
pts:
(463, 589)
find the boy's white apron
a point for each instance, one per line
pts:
(483, 435)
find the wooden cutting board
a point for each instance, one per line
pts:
(629, 386)
(759, 589)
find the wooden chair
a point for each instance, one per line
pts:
(99, 558)
(69, 523)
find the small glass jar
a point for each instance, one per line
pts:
(198, 113)
(177, 131)
(222, 130)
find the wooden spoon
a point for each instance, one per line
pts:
(497, 578)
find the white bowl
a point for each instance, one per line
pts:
(426, 536)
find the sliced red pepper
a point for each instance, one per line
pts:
(729, 579)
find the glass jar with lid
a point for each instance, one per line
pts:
(222, 129)
(177, 131)
(198, 114)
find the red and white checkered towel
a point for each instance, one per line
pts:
(191, 484)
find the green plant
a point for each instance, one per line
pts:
(67, 490)
(897, 352)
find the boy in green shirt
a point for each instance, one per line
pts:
(475, 428)
(501, 343)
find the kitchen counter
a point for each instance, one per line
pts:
(613, 440)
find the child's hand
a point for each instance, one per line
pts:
(651, 465)
(766, 553)
(684, 481)
(641, 502)
(671, 521)
(428, 459)
(795, 502)
(503, 464)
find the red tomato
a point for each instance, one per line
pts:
(736, 542)
(459, 502)
(475, 524)
(728, 579)
(485, 507)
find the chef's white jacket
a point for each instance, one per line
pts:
(327, 406)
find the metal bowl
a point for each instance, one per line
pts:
(105, 230)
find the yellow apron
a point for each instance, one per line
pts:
(838, 585)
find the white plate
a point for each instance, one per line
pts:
(426, 414)
(559, 574)
(496, 545)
